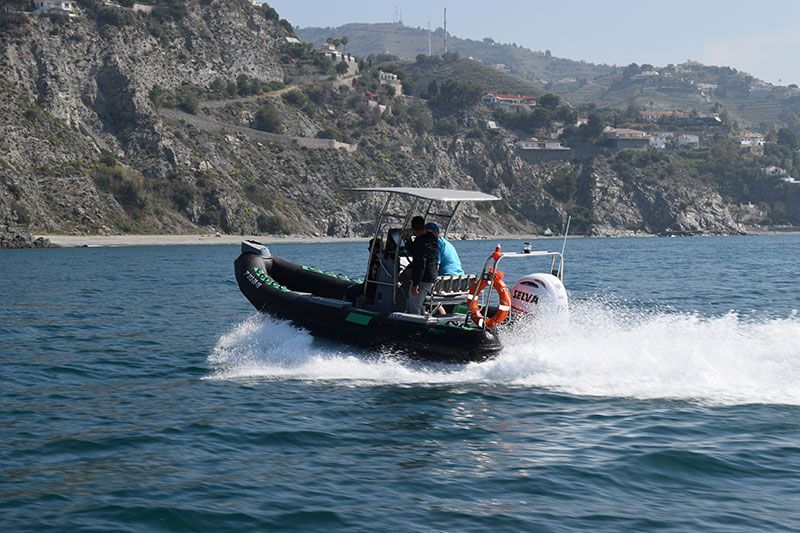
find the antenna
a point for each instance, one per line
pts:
(445, 30)
(429, 37)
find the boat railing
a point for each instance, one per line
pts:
(489, 273)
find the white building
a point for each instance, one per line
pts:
(535, 144)
(660, 139)
(646, 74)
(44, 7)
(760, 90)
(688, 140)
(510, 102)
(754, 142)
(775, 171)
(328, 50)
(391, 80)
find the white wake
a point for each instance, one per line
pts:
(605, 350)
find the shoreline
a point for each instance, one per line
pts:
(95, 241)
(102, 241)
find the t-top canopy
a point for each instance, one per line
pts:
(440, 195)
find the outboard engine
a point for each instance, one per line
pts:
(539, 296)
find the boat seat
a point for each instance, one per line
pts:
(449, 286)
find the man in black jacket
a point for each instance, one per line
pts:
(424, 265)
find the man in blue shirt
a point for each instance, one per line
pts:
(449, 262)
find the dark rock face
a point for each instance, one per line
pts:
(14, 238)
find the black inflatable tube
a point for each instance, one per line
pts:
(279, 287)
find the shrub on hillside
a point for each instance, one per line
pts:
(114, 16)
(341, 68)
(126, 186)
(169, 10)
(186, 99)
(269, 13)
(273, 223)
(247, 86)
(267, 118)
(295, 98)
(456, 95)
(329, 133)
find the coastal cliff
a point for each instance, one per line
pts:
(205, 117)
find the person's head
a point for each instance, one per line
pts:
(418, 225)
(432, 227)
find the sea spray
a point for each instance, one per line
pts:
(606, 349)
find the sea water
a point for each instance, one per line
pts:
(141, 391)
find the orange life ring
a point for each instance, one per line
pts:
(473, 309)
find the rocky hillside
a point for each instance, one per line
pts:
(201, 115)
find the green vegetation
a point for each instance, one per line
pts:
(456, 95)
(125, 185)
(295, 98)
(114, 16)
(330, 133)
(269, 13)
(428, 68)
(268, 119)
(167, 11)
(248, 86)
(273, 224)
(186, 98)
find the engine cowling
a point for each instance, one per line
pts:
(539, 296)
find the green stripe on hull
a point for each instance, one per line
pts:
(358, 318)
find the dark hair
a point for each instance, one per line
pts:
(418, 222)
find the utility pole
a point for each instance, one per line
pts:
(429, 38)
(445, 30)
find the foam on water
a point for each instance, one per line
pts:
(605, 350)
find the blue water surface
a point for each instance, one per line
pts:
(141, 391)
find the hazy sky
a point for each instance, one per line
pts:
(761, 37)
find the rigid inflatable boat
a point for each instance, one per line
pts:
(461, 320)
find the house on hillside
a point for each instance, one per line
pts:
(659, 139)
(536, 151)
(391, 80)
(775, 172)
(655, 116)
(753, 142)
(645, 74)
(627, 139)
(536, 144)
(47, 7)
(706, 88)
(760, 90)
(331, 52)
(688, 140)
(514, 103)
